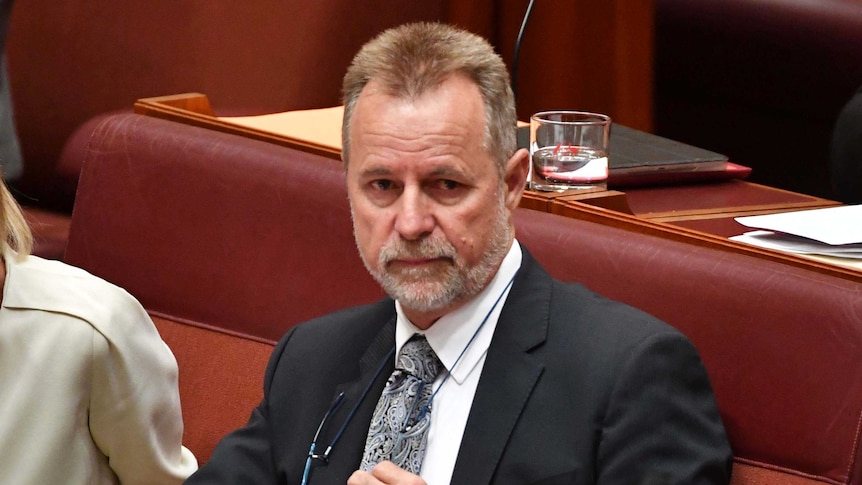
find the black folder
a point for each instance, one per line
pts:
(637, 157)
(633, 151)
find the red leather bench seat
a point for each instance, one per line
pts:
(223, 238)
(214, 228)
(781, 344)
(220, 377)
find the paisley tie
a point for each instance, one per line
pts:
(399, 426)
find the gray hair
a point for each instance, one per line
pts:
(412, 59)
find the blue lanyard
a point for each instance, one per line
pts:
(335, 405)
(424, 410)
(340, 398)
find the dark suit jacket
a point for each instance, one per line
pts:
(575, 389)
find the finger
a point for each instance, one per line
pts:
(360, 477)
(390, 473)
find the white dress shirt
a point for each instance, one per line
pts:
(89, 390)
(449, 337)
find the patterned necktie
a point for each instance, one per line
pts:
(399, 426)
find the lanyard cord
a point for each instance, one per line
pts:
(356, 406)
(335, 405)
(425, 407)
(338, 400)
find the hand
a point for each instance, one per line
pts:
(386, 473)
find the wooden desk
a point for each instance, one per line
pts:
(195, 109)
(682, 204)
(696, 214)
(716, 200)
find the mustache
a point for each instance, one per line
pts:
(422, 248)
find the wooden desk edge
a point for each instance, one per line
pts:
(194, 109)
(804, 201)
(600, 215)
(544, 201)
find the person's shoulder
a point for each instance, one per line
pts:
(592, 329)
(589, 316)
(60, 278)
(351, 320)
(603, 316)
(385, 307)
(49, 285)
(346, 334)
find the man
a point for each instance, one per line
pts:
(539, 381)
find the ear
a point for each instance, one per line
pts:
(515, 177)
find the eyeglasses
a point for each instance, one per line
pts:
(324, 457)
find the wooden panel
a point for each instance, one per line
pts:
(728, 198)
(575, 54)
(724, 226)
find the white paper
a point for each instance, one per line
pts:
(831, 225)
(798, 245)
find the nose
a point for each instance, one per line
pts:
(414, 219)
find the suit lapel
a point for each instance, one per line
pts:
(508, 377)
(374, 368)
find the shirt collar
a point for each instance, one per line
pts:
(451, 334)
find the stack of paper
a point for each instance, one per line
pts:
(833, 231)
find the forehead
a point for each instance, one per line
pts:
(448, 120)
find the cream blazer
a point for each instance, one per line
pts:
(88, 390)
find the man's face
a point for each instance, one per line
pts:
(431, 213)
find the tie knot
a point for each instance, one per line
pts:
(417, 358)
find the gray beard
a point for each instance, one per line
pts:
(431, 289)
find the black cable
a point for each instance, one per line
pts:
(518, 49)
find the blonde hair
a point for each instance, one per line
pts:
(14, 231)
(414, 58)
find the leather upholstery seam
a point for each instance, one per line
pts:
(854, 450)
(213, 328)
(786, 470)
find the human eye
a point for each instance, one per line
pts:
(381, 185)
(447, 191)
(448, 185)
(382, 192)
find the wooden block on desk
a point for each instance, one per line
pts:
(598, 196)
(608, 199)
(193, 102)
(538, 201)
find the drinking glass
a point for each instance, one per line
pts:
(569, 150)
